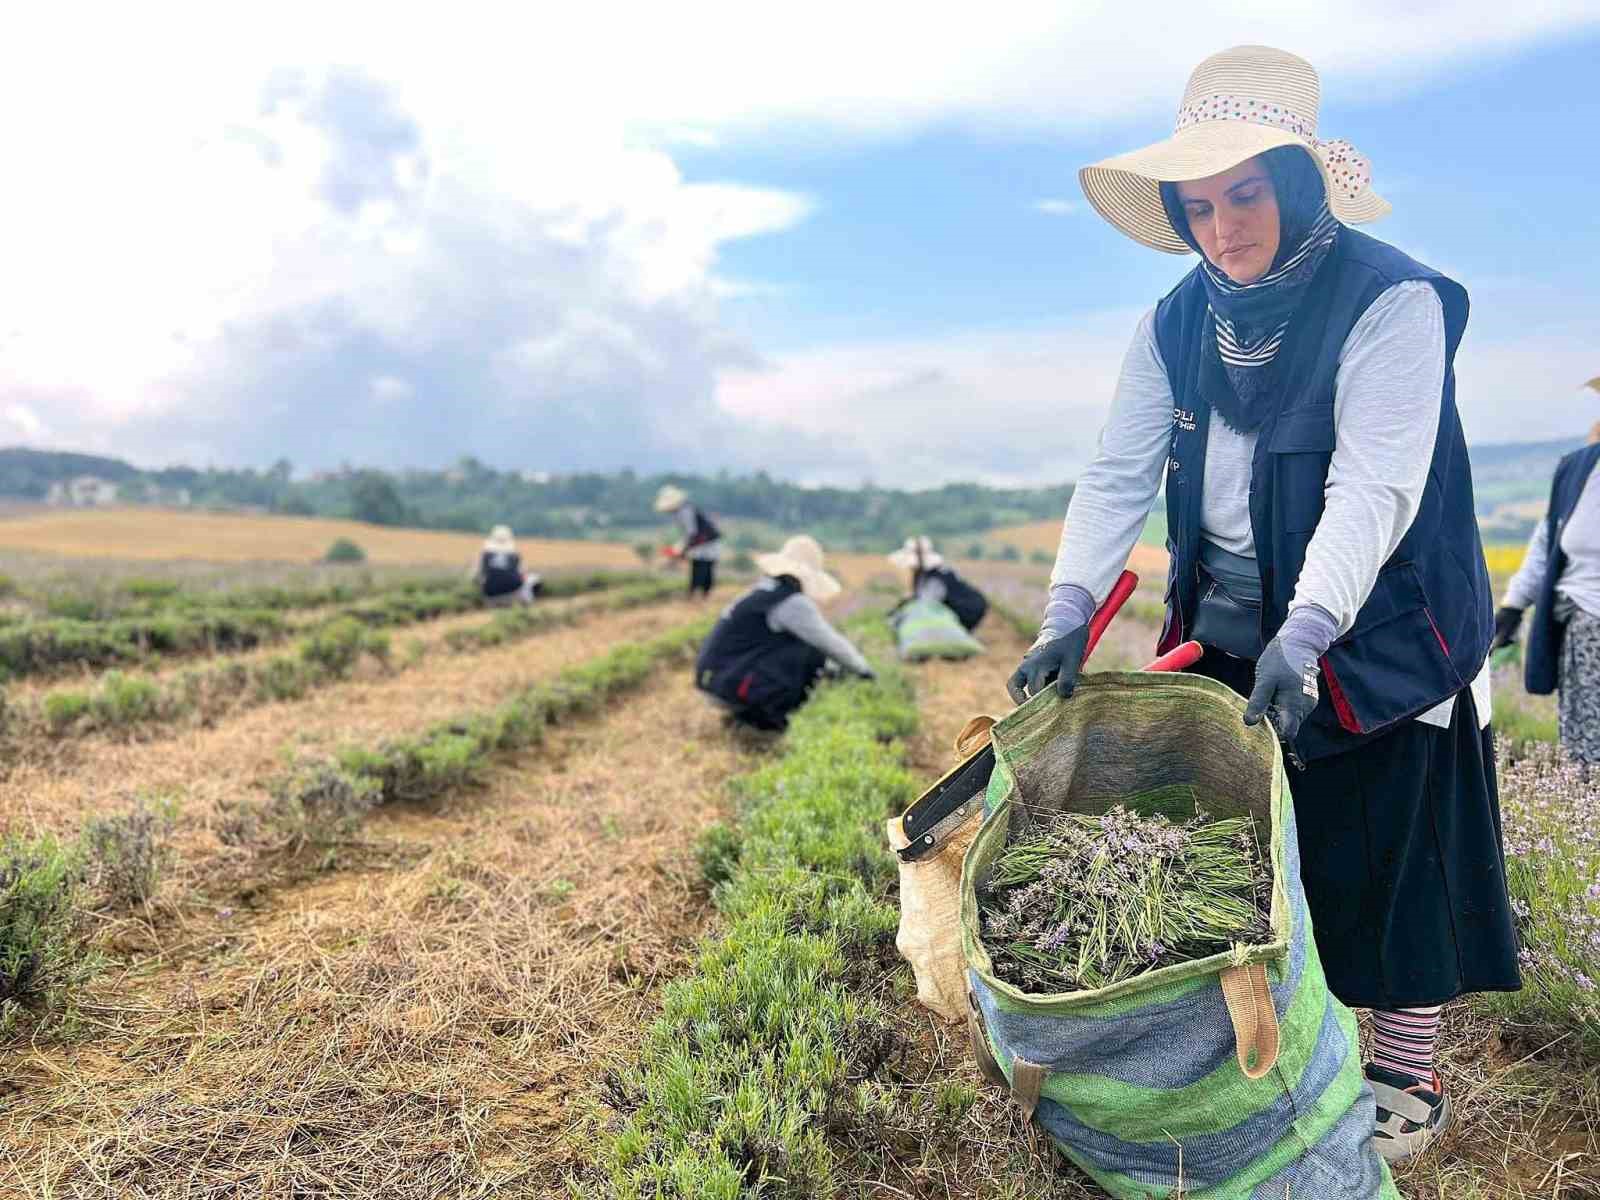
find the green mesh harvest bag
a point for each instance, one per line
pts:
(927, 629)
(1234, 1077)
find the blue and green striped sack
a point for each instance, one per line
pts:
(927, 629)
(1234, 1077)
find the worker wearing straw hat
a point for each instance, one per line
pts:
(1295, 394)
(499, 574)
(1560, 576)
(932, 579)
(702, 540)
(770, 646)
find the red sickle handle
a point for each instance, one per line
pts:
(1180, 658)
(1120, 591)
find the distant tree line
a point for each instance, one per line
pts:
(474, 496)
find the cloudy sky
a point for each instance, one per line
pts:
(838, 241)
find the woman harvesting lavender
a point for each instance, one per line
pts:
(1561, 576)
(1296, 394)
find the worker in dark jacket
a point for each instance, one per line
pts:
(701, 546)
(499, 574)
(1295, 396)
(932, 579)
(1560, 579)
(771, 644)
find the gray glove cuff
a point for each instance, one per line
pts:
(1070, 608)
(1306, 634)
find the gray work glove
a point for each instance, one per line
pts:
(1058, 654)
(1286, 672)
(1058, 659)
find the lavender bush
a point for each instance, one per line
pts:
(1551, 809)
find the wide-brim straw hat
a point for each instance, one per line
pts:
(906, 558)
(500, 540)
(671, 499)
(801, 557)
(1239, 103)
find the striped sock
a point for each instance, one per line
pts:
(1403, 1040)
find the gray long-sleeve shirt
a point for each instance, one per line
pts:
(800, 616)
(1579, 585)
(1386, 418)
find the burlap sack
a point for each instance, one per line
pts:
(930, 902)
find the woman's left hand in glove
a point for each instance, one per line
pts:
(1286, 672)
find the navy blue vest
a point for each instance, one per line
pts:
(743, 653)
(501, 572)
(1424, 631)
(1542, 663)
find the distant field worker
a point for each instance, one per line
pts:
(499, 574)
(702, 540)
(1560, 580)
(932, 579)
(1295, 396)
(771, 644)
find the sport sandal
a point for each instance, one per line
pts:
(1410, 1115)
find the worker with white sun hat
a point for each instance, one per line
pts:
(499, 574)
(933, 579)
(772, 644)
(1294, 394)
(701, 546)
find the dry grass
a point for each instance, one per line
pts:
(419, 1028)
(158, 535)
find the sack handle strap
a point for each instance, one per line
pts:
(975, 735)
(1027, 1078)
(1255, 1021)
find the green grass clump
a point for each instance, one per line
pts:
(333, 651)
(125, 700)
(41, 953)
(39, 647)
(150, 589)
(62, 710)
(344, 550)
(765, 1044)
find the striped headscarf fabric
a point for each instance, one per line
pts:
(1251, 320)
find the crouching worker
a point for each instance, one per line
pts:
(770, 646)
(702, 540)
(499, 574)
(932, 579)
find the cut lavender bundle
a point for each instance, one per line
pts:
(1081, 901)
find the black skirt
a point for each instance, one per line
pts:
(1403, 861)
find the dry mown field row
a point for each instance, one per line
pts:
(212, 769)
(158, 536)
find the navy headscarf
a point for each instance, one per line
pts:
(1239, 376)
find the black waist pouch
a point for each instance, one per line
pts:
(1223, 620)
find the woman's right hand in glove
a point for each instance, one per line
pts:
(1058, 660)
(1507, 620)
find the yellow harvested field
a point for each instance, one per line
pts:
(1504, 559)
(158, 534)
